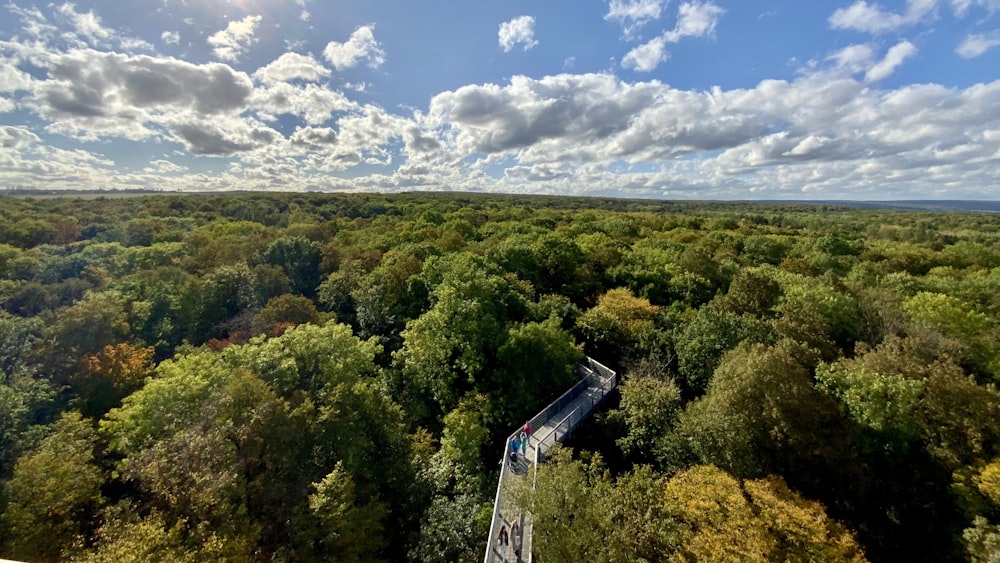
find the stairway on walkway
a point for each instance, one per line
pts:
(553, 424)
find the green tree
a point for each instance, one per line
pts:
(954, 319)
(24, 397)
(762, 415)
(450, 349)
(348, 530)
(54, 493)
(982, 541)
(283, 312)
(464, 435)
(751, 292)
(299, 257)
(568, 509)
(537, 363)
(616, 324)
(225, 299)
(701, 342)
(649, 409)
(125, 537)
(452, 529)
(99, 319)
(883, 403)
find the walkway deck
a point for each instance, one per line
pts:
(552, 425)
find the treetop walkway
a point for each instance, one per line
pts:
(553, 424)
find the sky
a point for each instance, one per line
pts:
(700, 99)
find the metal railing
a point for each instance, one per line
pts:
(595, 379)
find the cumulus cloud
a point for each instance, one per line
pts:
(231, 42)
(694, 19)
(809, 131)
(12, 79)
(170, 37)
(313, 103)
(518, 31)
(975, 45)
(360, 47)
(314, 139)
(292, 66)
(545, 172)
(219, 136)
(648, 56)
(871, 18)
(896, 55)
(633, 14)
(835, 130)
(93, 93)
(16, 137)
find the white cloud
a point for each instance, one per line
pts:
(314, 139)
(231, 42)
(92, 94)
(360, 138)
(853, 58)
(961, 7)
(694, 19)
(361, 46)
(820, 131)
(164, 167)
(292, 66)
(220, 135)
(896, 55)
(834, 131)
(648, 56)
(871, 18)
(304, 15)
(976, 44)
(633, 14)
(637, 11)
(313, 103)
(170, 37)
(132, 44)
(33, 21)
(12, 79)
(518, 31)
(86, 24)
(16, 137)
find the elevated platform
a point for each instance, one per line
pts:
(550, 426)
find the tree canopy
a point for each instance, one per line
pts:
(313, 377)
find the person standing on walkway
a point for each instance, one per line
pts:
(515, 444)
(527, 429)
(523, 440)
(503, 537)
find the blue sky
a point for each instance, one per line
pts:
(700, 99)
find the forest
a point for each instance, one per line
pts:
(331, 377)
